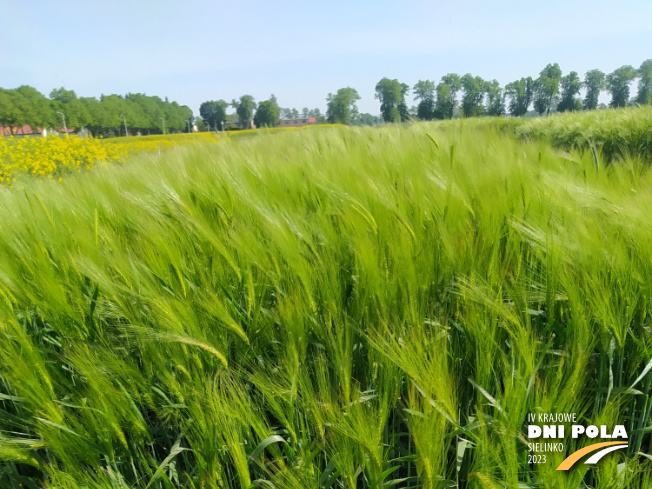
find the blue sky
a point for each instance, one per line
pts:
(196, 50)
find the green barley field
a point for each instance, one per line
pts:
(334, 308)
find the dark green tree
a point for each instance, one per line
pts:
(473, 91)
(644, 96)
(267, 114)
(96, 114)
(341, 108)
(245, 109)
(454, 84)
(520, 93)
(15, 110)
(570, 87)
(618, 85)
(546, 87)
(66, 101)
(594, 82)
(176, 116)
(389, 93)
(148, 114)
(443, 104)
(112, 107)
(140, 121)
(402, 107)
(42, 113)
(495, 99)
(424, 92)
(214, 113)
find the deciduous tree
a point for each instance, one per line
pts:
(15, 111)
(570, 87)
(245, 109)
(341, 107)
(644, 96)
(66, 101)
(520, 94)
(424, 92)
(389, 93)
(495, 99)
(447, 97)
(546, 87)
(402, 107)
(443, 105)
(473, 89)
(594, 84)
(42, 113)
(618, 85)
(267, 114)
(214, 113)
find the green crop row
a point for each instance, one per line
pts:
(333, 308)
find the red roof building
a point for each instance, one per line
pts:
(305, 121)
(28, 131)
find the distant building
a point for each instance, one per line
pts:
(26, 131)
(22, 131)
(303, 121)
(234, 124)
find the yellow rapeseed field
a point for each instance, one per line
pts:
(55, 156)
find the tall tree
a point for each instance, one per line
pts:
(546, 87)
(15, 111)
(267, 114)
(42, 114)
(473, 89)
(594, 84)
(112, 107)
(618, 85)
(152, 117)
(245, 109)
(570, 87)
(341, 107)
(389, 93)
(214, 113)
(644, 96)
(96, 114)
(495, 99)
(520, 93)
(402, 107)
(424, 92)
(454, 84)
(443, 104)
(66, 101)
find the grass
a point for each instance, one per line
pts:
(333, 308)
(615, 134)
(55, 157)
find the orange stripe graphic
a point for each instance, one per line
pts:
(574, 457)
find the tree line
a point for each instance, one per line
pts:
(106, 116)
(550, 91)
(143, 114)
(341, 108)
